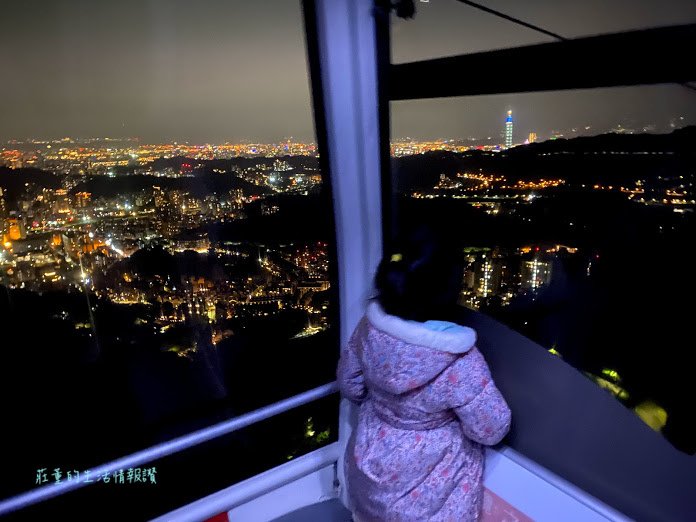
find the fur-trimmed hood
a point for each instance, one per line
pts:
(414, 332)
(401, 355)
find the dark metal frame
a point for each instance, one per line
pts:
(632, 58)
(383, 45)
(317, 92)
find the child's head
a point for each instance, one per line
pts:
(420, 277)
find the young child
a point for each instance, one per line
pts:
(427, 401)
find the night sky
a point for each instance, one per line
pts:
(226, 70)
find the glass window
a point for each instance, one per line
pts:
(575, 213)
(448, 27)
(167, 235)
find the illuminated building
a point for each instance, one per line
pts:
(3, 206)
(532, 137)
(487, 277)
(15, 230)
(3, 214)
(281, 166)
(159, 196)
(61, 204)
(168, 206)
(304, 287)
(508, 130)
(82, 199)
(469, 279)
(90, 245)
(535, 274)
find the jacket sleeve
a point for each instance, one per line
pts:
(349, 373)
(483, 413)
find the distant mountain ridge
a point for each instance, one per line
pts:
(578, 160)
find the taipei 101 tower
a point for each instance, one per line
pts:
(508, 130)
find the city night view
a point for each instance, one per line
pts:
(559, 238)
(168, 247)
(153, 270)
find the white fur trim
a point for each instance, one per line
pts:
(414, 333)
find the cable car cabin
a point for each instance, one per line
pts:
(174, 303)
